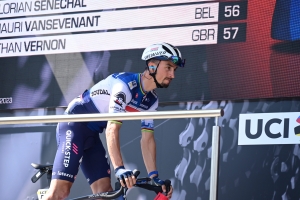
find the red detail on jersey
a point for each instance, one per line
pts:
(118, 102)
(108, 171)
(131, 109)
(136, 95)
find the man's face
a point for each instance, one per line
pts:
(165, 73)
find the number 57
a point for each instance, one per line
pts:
(227, 32)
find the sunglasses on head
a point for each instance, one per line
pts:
(177, 61)
(174, 59)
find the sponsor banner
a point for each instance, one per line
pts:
(15, 8)
(269, 128)
(117, 40)
(120, 19)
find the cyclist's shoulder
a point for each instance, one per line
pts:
(122, 78)
(129, 80)
(126, 76)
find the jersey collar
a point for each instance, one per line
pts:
(141, 85)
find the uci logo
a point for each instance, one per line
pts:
(269, 128)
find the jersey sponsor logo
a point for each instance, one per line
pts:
(118, 109)
(67, 151)
(144, 106)
(132, 84)
(133, 101)
(64, 174)
(154, 54)
(120, 98)
(100, 91)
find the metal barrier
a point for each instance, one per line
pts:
(136, 116)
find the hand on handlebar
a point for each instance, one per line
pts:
(125, 176)
(158, 182)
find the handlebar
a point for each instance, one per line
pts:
(145, 183)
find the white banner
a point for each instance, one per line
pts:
(15, 8)
(116, 40)
(134, 18)
(269, 128)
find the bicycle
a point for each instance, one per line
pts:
(144, 183)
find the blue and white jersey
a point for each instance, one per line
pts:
(118, 93)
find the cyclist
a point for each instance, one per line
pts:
(79, 143)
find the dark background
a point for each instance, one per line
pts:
(260, 67)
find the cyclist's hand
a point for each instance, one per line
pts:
(170, 191)
(158, 182)
(125, 176)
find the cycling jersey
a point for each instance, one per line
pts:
(119, 92)
(79, 142)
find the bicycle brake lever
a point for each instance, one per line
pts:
(136, 173)
(168, 186)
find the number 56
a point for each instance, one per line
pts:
(233, 11)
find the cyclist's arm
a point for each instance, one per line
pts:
(113, 143)
(148, 147)
(120, 97)
(148, 144)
